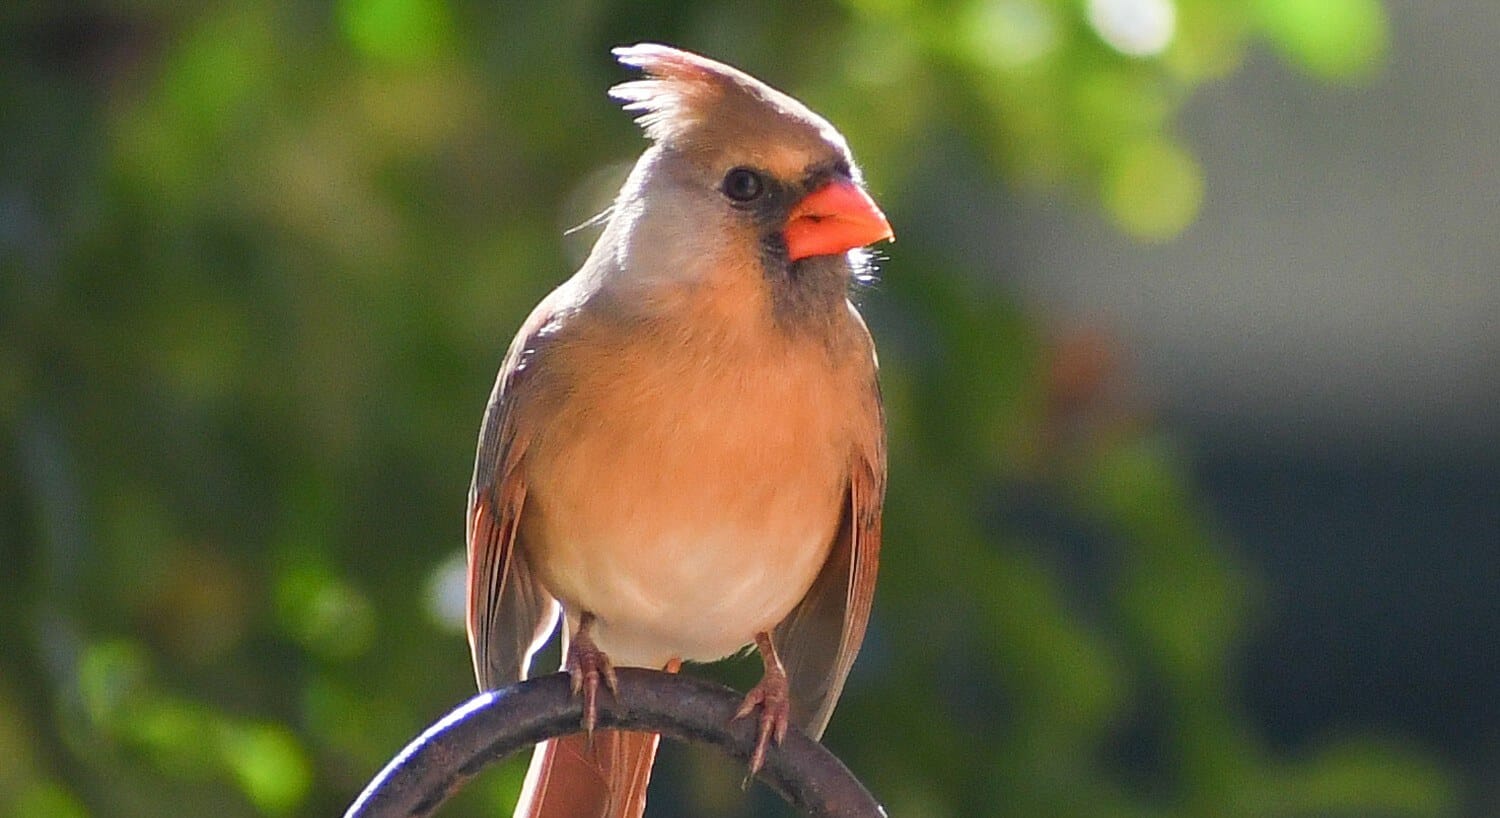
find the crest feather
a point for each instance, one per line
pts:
(683, 90)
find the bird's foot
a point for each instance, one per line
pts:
(773, 697)
(588, 666)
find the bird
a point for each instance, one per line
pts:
(684, 452)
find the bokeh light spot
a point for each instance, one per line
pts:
(326, 614)
(1153, 189)
(401, 31)
(447, 593)
(111, 677)
(1139, 28)
(268, 764)
(1009, 34)
(1329, 38)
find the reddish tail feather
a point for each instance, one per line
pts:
(570, 777)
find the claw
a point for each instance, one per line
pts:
(587, 666)
(772, 696)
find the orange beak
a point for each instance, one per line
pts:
(835, 218)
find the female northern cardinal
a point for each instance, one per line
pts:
(684, 452)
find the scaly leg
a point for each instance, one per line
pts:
(772, 696)
(587, 665)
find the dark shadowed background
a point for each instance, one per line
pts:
(1189, 342)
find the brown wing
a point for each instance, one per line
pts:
(820, 638)
(510, 613)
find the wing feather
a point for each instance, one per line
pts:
(819, 640)
(510, 613)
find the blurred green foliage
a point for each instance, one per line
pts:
(260, 261)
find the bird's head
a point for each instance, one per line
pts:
(751, 175)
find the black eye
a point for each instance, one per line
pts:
(743, 185)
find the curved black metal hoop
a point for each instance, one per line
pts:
(495, 724)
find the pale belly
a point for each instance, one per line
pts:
(689, 521)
